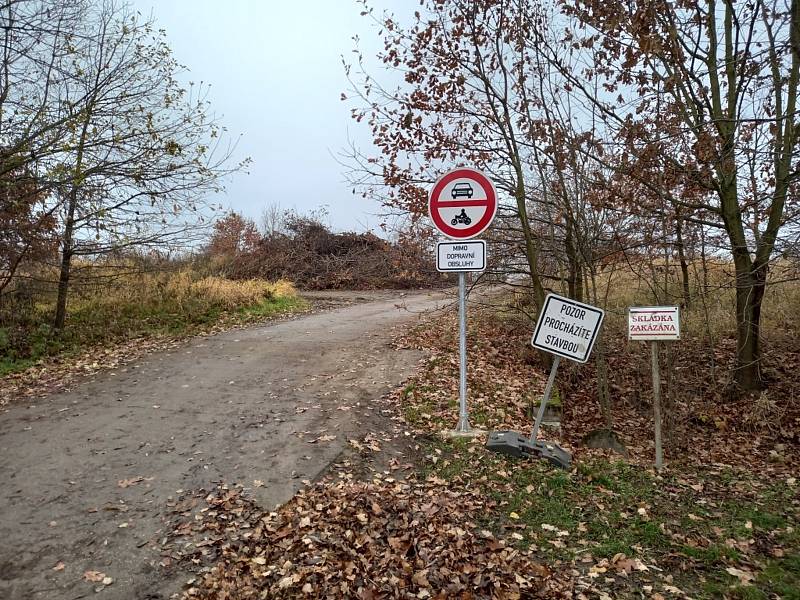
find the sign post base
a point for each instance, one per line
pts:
(517, 445)
(463, 424)
(565, 328)
(470, 433)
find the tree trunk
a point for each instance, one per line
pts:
(669, 418)
(750, 281)
(66, 262)
(750, 288)
(531, 252)
(575, 277)
(67, 248)
(703, 261)
(687, 298)
(604, 395)
(76, 186)
(603, 391)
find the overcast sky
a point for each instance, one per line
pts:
(276, 75)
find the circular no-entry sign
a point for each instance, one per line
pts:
(462, 203)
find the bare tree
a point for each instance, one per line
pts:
(35, 36)
(272, 219)
(143, 153)
(465, 100)
(708, 92)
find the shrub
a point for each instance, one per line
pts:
(305, 251)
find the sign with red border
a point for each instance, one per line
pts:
(649, 323)
(462, 203)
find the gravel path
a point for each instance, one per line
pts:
(87, 475)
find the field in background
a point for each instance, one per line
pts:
(712, 296)
(697, 370)
(708, 325)
(118, 302)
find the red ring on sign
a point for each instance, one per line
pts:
(490, 202)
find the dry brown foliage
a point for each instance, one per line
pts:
(312, 256)
(383, 539)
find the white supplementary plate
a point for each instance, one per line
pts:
(461, 256)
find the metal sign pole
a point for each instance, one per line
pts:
(657, 402)
(547, 391)
(463, 415)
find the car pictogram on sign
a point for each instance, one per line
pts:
(461, 189)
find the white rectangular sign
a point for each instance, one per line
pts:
(461, 256)
(654, 323)
(567, 328)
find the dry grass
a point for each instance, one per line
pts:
(713, 299)
(186, 290)
(115, 302)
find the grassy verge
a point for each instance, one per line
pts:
(707, 532)
(147, 305)
(720, 522)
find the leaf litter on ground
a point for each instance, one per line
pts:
(378, 539)
(608, 526)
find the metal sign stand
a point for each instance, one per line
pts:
(547, 391)
(551, 336)
(463, 413)
(462, 257)
(550, 452)
(657, 402)
(458, 198)
(655, 324)
(514, 444)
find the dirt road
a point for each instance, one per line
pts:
(86, 475)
